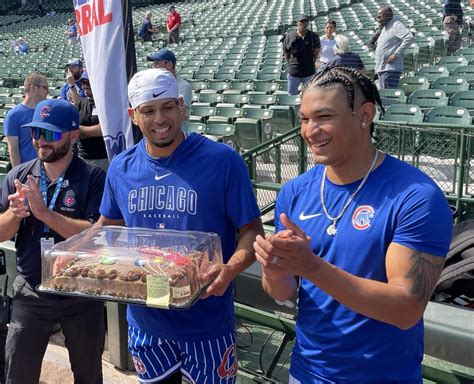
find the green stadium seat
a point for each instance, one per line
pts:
(452, 62)
(241, 86)
(428, 98)
(236, 99)
(201, 113)
(449, 115)
(269, 73)
(225, 114)
(407, 113)
(267, 87)
(464, 99)
(198, 86)
(410, 84)
(249, 133)
(263, 100)
(211, 98)
(450, 84)
(218, 86)
(224, 133)
(466, 72)
(433, 72)
(196, 127)
(392, 96)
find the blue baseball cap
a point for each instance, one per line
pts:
(74, 63)
(55, 115)
(162, 54)
(84, 75)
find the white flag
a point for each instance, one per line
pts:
(100, 27)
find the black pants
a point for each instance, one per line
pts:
(32, 319)
(173, 37)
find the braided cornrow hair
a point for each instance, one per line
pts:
(351, 80)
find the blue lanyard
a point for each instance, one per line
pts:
(44, 193)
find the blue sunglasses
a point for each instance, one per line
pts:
(46, 133)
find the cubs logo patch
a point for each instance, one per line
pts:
(69, 199)
(228, 366)
(361, 219)
(139, 366)
(45, 111)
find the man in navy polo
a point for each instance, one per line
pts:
(43, 202)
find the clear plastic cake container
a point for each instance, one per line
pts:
(154, 267)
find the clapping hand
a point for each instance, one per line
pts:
(18, 205)
(287, 252)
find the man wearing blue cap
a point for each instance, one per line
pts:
(43, 202)
(166, 59)
(72, 90)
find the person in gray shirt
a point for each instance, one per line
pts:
(166, 59)
(394, 38)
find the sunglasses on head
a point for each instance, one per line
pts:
(46, 133)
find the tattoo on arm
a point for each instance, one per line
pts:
(424, 274)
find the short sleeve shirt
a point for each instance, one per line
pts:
(301, 50)
(79, 198)
(15, 118)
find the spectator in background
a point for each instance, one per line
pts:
(52, 12)
(301, 48)
(72, 90)
(21, 46)
(394, 38)
(166, 59)
(173, 22)
(452, 22)
(454, 8)
(19, 141)
(344, 56)
(147, 29)
(91, 145)
(327, 44)
(71, 32)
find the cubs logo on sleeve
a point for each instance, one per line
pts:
(361, 219)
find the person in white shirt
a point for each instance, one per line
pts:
(327, 44)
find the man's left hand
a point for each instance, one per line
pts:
(35, 201)
(289, 250)
(222, 276)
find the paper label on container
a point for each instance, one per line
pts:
(158, 291)
(181, 292)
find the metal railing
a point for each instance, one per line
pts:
(443, 152)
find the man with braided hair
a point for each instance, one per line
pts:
(362, 236)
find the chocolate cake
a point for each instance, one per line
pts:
(106, 275)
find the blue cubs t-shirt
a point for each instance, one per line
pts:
(15, 118)
(202, 186)
(397, 204)
(66, 91)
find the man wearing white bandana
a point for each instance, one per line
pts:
(364, 234)
(173, 181)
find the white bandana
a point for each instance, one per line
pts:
(152, 84)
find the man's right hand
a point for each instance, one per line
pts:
(70, 78)
(18, 201)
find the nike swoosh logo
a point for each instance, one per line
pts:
(158, 94)
(304, 217)
(157, 178)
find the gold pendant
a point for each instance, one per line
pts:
(331, 230)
